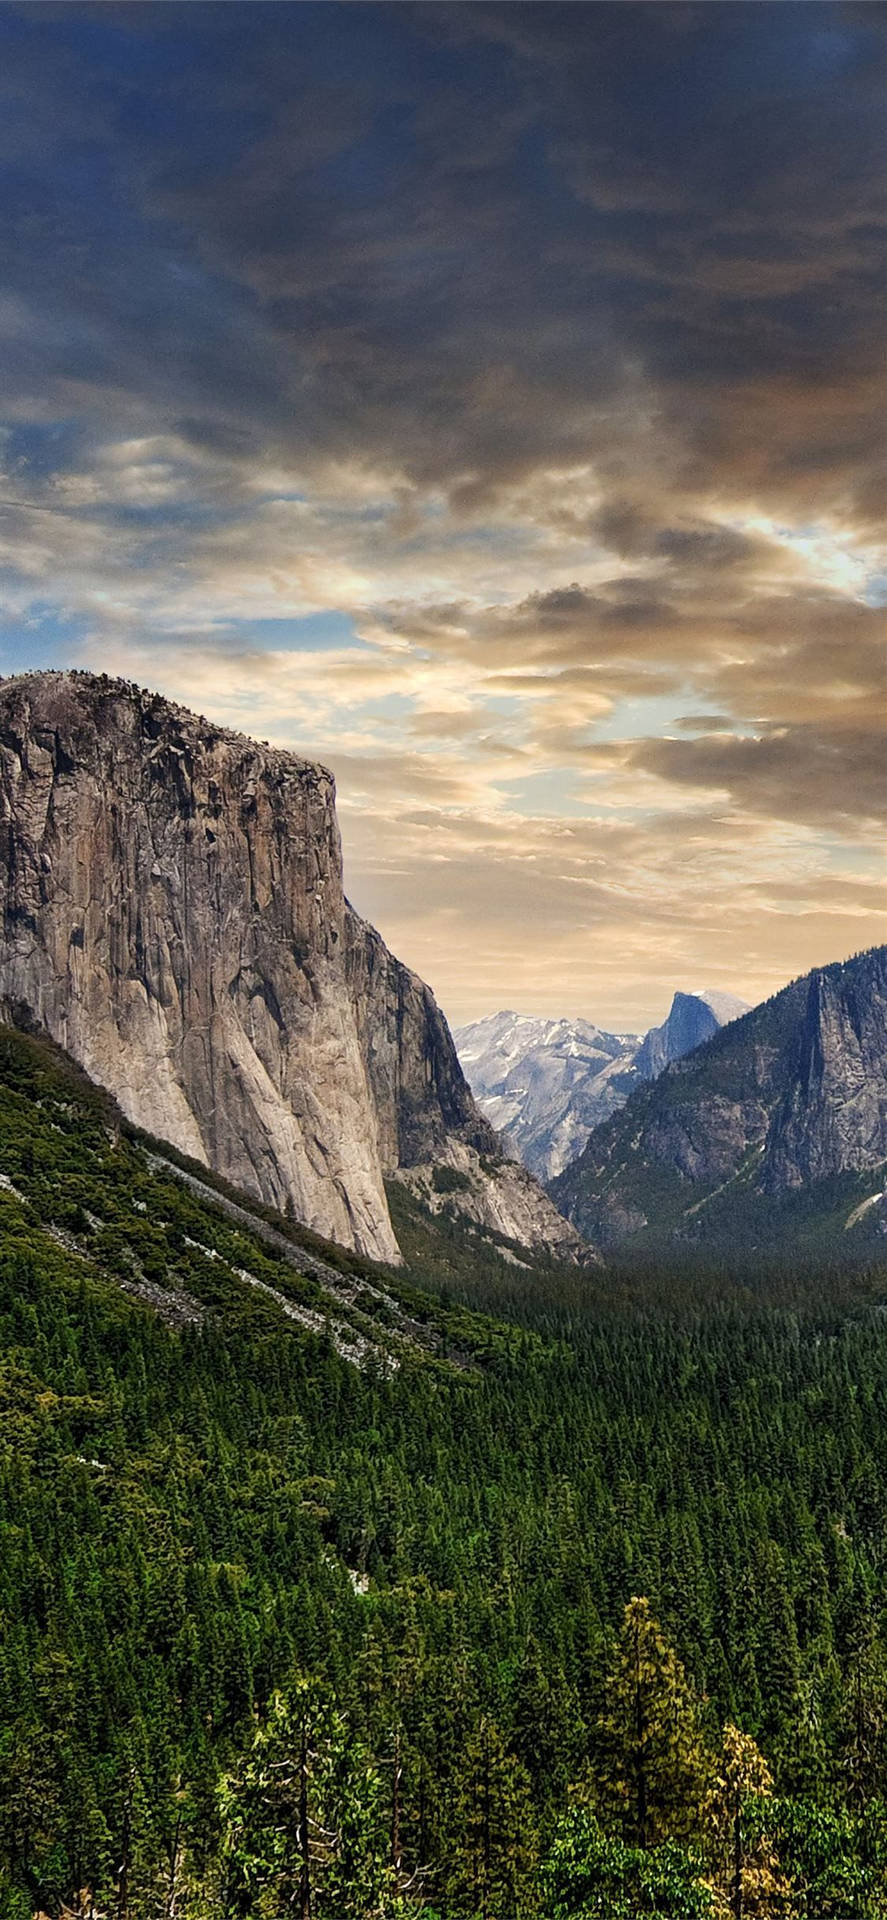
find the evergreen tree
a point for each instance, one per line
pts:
(492, 1839)
(861, 1731)
(747, 1869)
(546, 1732)
(303, 1822)
(651, 1766)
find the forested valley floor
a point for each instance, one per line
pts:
(489, 1596)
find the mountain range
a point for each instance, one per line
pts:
(284, 1527)
(173, 917)
(545, 1084)
(772, 1134)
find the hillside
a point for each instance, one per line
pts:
(233, 1461)
(773, 1133)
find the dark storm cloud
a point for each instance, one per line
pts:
(340, 232)
(547, 344)
(811, 776)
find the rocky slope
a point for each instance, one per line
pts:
(547, 1083)
(173, 915)
(778, 1121)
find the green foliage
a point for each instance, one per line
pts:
(592, 1875)
(449, 1180)
(652, 1770)
(303, 1825)
(836, 1860)
(198, 1510)
(493, 1855)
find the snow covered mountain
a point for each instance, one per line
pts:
(546, 1083)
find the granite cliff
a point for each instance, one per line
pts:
(692, 1018)
(778, 1120)
(173, 915)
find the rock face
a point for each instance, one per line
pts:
(693, 1018)
(833, 1110)
(173, 915)
(762, 1116)
(546, 1084)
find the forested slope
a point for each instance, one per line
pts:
(254, 1573)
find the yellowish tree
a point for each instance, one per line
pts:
(750, 1883)
(652, 1768)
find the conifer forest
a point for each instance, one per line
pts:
(571, 1606)
(443, 960)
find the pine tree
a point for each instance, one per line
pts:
(303, 1818)
(862, 1729)
(651, 1767)
(748, 1871)
(492, 1843)
(546, 1729)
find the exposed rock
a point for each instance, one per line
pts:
(501, 1197)
(173, 915)
(833, 1111)
(693, 1018)
(423, 1103)
(546, 1084)
(791, 1096)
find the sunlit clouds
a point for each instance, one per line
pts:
(489, 401)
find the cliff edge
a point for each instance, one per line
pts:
(173, 915)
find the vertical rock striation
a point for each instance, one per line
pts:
(173, 915)
(832, 1115)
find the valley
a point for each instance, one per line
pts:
(546, 1084)
(256, 1492)
(771, 1135)
(443, 960)
(576, 1521)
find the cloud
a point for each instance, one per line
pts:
(824, 778)
(545, 347)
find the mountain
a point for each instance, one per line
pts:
(102, 1205)
(546, 1084)
(774, 1132)
(693, 1017)
(173, 915)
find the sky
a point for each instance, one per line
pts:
(489, 401)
